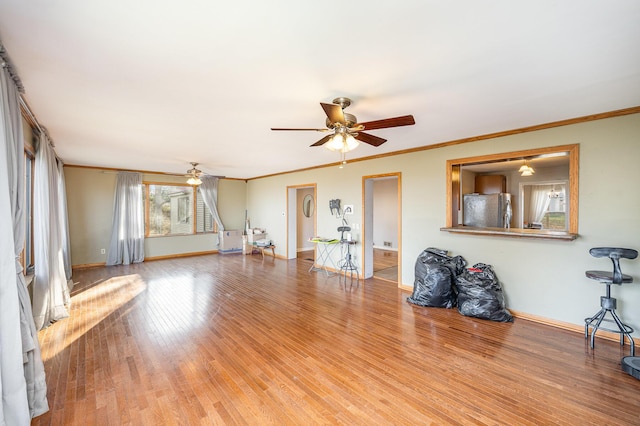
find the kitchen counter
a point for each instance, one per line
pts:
(513, 232)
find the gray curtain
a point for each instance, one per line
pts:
(22, 377)
(209, 192)
(127, 232)
(64, 221)
(14, 407)
(50, 287)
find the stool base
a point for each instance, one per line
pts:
(608, 306)
(631, 365)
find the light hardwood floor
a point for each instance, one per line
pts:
(385, 264)
(233, 339)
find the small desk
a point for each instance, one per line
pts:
(263, 248)
(325, 248)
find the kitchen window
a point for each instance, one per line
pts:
(491, 195)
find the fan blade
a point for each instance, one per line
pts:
(315, 130)
(405, 120)
(322, 141)
(334, 112)
(370, 139)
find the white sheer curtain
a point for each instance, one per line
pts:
(209, 191)
(50, 287)
(14, 404)
(539, 202)
(127, 232)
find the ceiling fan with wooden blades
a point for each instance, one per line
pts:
(344, 127)
(194, 175)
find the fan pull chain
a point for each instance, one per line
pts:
(343, 160)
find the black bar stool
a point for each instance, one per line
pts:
(608, 303)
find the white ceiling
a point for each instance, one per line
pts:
(153, 85)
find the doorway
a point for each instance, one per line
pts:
(382, 227)
(301, 221)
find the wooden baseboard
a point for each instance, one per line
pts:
(88, 265)
(576, 328)
(547, 321)
(383, 248)
(175, 256)
(148, 259)
(565, 325)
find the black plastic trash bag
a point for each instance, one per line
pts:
(435, 274)
(480, 294)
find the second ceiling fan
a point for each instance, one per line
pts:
(344, 127)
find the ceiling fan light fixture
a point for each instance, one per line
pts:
(194, 175)
(342, 141)
(345, 127)
(350, 143)
(194, 180)
(335, 143)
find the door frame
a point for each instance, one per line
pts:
(292, 218)
(367, 223)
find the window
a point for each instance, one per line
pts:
(204, 219)
(183, 208)
(27, 254)
(543, 204)
(171, 209)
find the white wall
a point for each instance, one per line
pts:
(540, 277)
(385, 213)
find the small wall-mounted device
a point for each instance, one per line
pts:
(335, 205)
(348, 209)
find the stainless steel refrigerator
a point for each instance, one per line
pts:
(487, 210)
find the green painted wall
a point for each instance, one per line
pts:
(90, 195)
(540, 277)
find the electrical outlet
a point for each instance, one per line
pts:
(102, 251)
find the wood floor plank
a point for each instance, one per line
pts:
(230, 339)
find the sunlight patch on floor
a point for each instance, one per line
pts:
(111, 295)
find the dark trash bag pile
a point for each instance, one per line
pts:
(480, 294)
(442, 281)
(435, 275)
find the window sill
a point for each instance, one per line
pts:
(513, 232)
(182, 235)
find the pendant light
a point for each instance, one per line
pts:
(526, 169)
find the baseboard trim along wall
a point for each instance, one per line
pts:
(149, 259)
